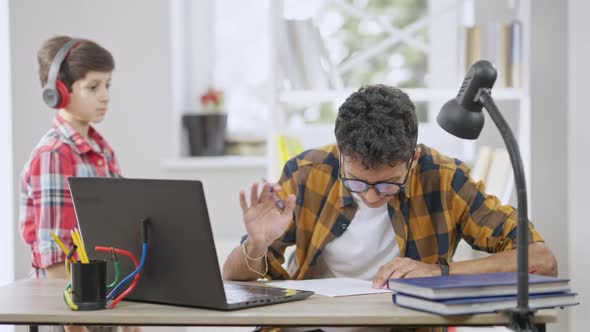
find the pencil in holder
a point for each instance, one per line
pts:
(89, 286)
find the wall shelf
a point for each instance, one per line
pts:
(184, 164)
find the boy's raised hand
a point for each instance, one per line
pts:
(265, 221)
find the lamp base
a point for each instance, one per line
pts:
(522, 320)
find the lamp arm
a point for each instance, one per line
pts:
(522, 314)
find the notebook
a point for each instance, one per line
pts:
(181, 266)
(464, 306)
(475, 285)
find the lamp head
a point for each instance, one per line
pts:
(462, 115)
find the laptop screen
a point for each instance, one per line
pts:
(181, 266)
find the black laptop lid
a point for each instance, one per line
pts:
(181, 266)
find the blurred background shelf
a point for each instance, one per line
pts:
(416, 94)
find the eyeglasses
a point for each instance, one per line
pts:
(382, 188)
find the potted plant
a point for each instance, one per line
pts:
(206, 129)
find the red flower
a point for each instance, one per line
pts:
(212, 99)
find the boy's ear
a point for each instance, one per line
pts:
(415, 157)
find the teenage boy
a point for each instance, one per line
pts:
(376, 205)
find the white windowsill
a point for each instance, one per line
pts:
(214, 163)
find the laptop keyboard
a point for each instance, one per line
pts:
(242, 293)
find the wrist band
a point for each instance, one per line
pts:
(247, 257)
(253, 258)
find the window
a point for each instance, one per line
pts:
(242, 61)
(365, 42)
(324, 50)
(413, 45)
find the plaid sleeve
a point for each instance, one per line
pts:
(46, 206)
(484, 222)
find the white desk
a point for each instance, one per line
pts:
(40, 302)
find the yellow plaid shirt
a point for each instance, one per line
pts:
(439, 206)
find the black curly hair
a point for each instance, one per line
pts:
(378, 125)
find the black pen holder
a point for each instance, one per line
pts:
(89, 285)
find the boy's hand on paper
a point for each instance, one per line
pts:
(403, 267)
(263, 219)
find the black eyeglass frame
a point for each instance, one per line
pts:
(374, 185)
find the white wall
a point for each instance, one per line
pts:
(577, 139)
(548, 84)
(6, 192)
(138, 34)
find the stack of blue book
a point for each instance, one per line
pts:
(478, 293)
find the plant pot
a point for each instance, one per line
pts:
(206, 133)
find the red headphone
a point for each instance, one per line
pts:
(55, 92)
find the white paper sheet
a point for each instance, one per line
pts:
(331, 287)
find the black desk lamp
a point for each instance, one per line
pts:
(462, 117)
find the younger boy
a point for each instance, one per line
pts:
(76, 76)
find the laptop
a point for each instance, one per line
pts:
(181, 266)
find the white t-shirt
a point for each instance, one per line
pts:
(367, 244)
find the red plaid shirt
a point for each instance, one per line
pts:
(45, 202)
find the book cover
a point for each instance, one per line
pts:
(289, 58)
(464, 306)
(498, 43)
(499, 173)
(304, 61)
(473, 45)
(475, 285)
(516, 53)
(481, 167)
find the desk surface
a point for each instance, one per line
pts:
(41, 302)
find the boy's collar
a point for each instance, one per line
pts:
(66, 130)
